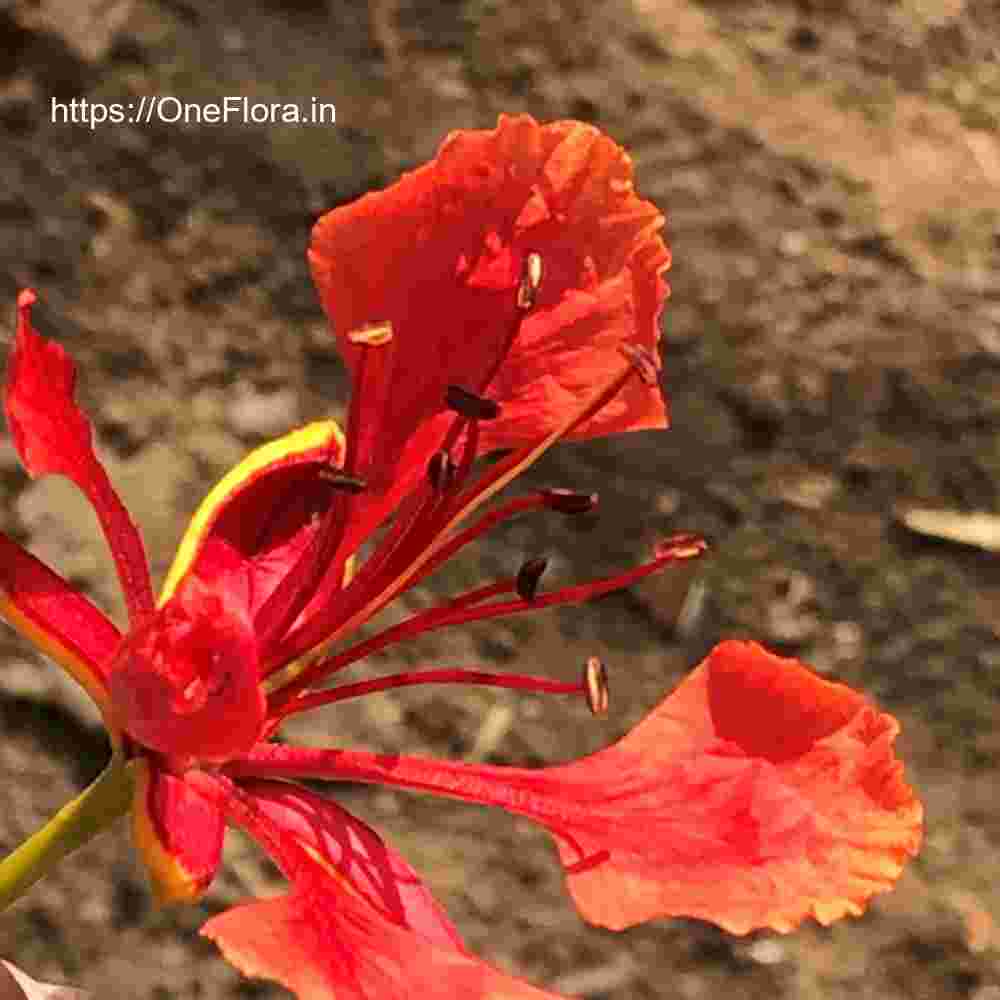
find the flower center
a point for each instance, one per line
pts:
(186, 682)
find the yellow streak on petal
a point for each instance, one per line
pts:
(74, 665)
(170, 881)
(309, 438)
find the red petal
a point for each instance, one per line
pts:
(561, 355)
(440, 255)
(755, 795)
(777, 797)
(359, 855)
(178, 832)
(325, 941)
(52, 435)
(267, 510)
(58, 620)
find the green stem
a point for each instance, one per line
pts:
(79, 821)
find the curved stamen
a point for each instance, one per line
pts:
(482, 678)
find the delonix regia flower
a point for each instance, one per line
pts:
(501, 298)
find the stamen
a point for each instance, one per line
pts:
(468, 404)
(520, 505)
(318, 560)
(568, 501)
(642, 361)
(595, 683)
(528, 578)
(435, 535)
(470, 448)
(468, 609)
(520, 682)
(484, 593)
(531, 281)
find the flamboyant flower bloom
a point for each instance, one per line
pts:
(502, 297)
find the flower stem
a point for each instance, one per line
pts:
(79, 821)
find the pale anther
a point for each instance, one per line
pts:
(371, 335)
(531, 281)
(595, 683)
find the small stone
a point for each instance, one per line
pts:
(793, 243)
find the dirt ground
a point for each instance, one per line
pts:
(830, 170)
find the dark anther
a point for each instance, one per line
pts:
(569, 502)
(595, 684)
(642, 361)
(531, 281)
(441, 471)
(468, 404)
(528, 578)
(342, 481)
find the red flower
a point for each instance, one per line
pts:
(504, 296)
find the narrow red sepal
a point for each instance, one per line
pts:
(53, 437)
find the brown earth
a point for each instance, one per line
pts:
(831, 174)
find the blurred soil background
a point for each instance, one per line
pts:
(830, 170)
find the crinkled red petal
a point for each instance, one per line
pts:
(178, 831)
(778, 797)
(755, 795)
(326, 941)
(53, 437)
(440, 255)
